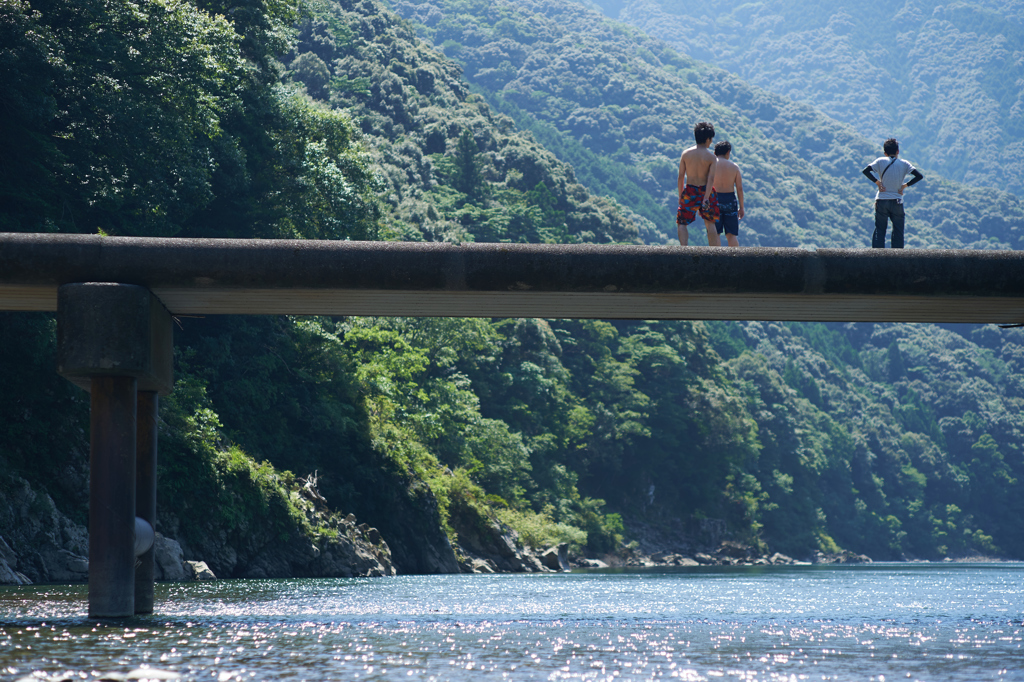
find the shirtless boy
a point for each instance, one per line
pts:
(729, 189)
(696, 180)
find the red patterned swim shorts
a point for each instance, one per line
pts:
(690, 205)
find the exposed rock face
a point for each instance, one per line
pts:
(356, 551)
(549, 558)
(169, 559)
(557, 558)
(479, 566)
(489, 547)
(497, 547)
(411, 521)
(8, 576)
(844, 557)
(670, 535)
(40, 544)
(343, 548)
(670, 559)
(736, 550)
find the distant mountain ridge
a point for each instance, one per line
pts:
(944, 78)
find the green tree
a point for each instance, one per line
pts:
(897, 368)
(312, 71)
(467, 173)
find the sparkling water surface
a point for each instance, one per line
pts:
(875, 622)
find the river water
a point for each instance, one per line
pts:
(875, 622)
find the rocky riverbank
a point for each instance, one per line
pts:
(486, 546)
(728, 553)
(39, 543)
(705, 542)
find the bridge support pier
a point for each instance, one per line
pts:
(145, 493)
(115, 341)
(112, 496)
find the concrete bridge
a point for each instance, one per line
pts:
(115, 298)
(212, 277)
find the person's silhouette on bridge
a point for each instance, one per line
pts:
(696, 186)
(729, 188)
(891, 170)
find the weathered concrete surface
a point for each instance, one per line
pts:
(147, 415)
(112, 496)
(112, 329)
(208, 276)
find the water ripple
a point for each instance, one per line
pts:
(933, 622)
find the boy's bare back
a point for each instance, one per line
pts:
(695, 165)
(726, 175)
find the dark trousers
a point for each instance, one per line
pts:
(885, 210)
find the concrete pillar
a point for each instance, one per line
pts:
(112, 497)
(145, 493)
(115, 340)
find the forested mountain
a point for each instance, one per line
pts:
(905, 436)
(942, 77)
(553, 125)
(166, 119)
(621, 105)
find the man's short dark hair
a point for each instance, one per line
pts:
(703, 131)
(723, 148)
(891, 147)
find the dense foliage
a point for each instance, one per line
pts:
(157, 118)
(942, 77)
(453, 169)
(541, 68)
(901, 439)
(265, 160)
(622, 106)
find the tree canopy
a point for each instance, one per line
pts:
(940, 77)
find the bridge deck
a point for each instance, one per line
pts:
(210, 276)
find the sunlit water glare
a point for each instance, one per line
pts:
(891, 622)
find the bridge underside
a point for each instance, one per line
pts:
(711, 306)
(253, 277)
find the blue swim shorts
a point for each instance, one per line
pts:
(729, 218)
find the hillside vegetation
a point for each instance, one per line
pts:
(621, 104)
(847, 463)
(559, 126)
(942, 77)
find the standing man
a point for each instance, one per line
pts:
(696, 180)
(891, 170)
(729, 190)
